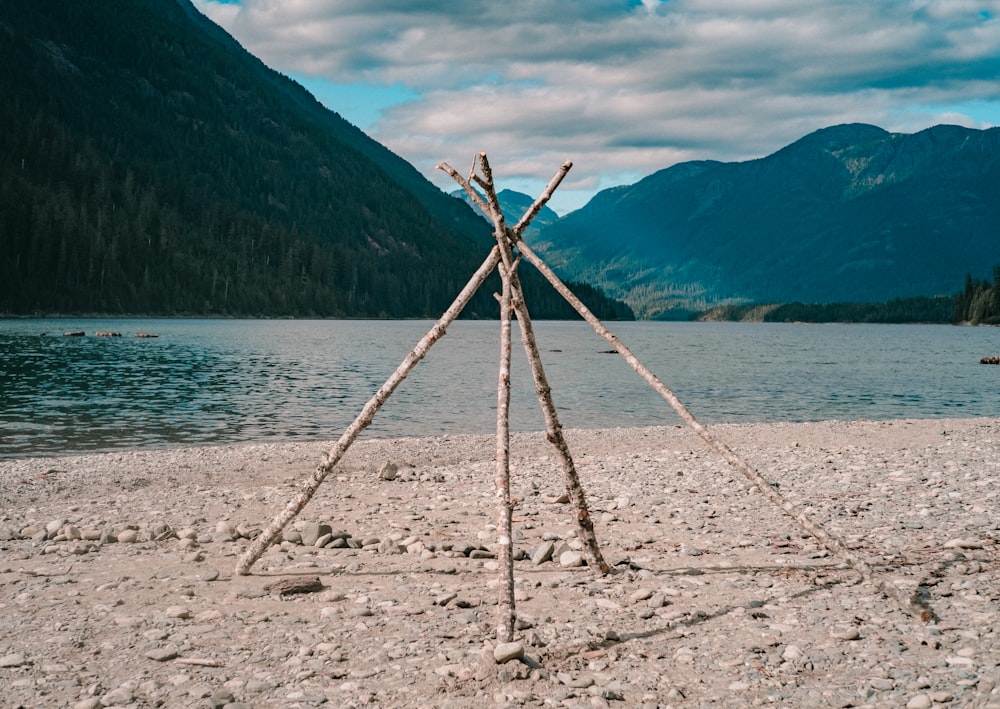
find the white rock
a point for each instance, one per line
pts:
(571, 558)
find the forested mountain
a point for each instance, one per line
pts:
(148, 164)
(513, 205)
(847, 214)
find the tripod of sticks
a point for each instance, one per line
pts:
(506, 256)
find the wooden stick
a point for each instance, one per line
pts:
(553, 428)
(828, 540)
(506, 609)
(554, 432)
(311, 484)
(543, 198)
(506, 613)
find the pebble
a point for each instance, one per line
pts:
(13, 660)
(571, 559)
(406, 605)
(846, 634)
(919, 701)
(161, 654)
(505, 652)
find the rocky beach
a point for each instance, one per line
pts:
(117, 586)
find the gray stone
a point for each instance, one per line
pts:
(571, 558)
(542, 553)
(13, 660)
(505, 652)
(311, 532)
(919, 701)
(162, 654)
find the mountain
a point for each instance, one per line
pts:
(513, 205)
(850, 213)
(149, 164)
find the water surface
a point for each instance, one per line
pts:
(219, 381)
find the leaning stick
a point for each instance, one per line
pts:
(311, 484)
(829, 541)
(554, 432)
(553, 428)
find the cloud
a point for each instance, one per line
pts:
(626, 88)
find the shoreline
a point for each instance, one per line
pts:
(720, 598)
(367, 438)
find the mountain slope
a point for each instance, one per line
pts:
(148, 164)
(846, 214)
(514, 205)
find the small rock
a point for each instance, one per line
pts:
(542, 553)
(162, 654)
(570, 559)
(963, 544)
(846, 634)
(311, 533)
(791, 653)
(88, 703)
(505, 652)
(919, 701)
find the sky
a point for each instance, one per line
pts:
(623, 88)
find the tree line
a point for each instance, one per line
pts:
(977, 304)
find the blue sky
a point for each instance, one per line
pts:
(621, 87)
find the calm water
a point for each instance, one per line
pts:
(218, 381)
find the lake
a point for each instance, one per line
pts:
(204, 381)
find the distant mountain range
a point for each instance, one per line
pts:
(849, 213)
(148, 164)
(514, 205)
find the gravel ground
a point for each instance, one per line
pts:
(117, 585)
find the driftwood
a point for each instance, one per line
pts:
(291, 586)
(197, 662)
(506, 614)
(554, 433)
(309, 487)
(512, 297)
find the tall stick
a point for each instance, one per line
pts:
(828, 540)
(311, 484)
(554, 432)
(506, 614)
(506, 611)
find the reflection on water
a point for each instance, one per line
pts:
(208, 381)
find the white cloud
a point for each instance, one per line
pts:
(626, 88)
